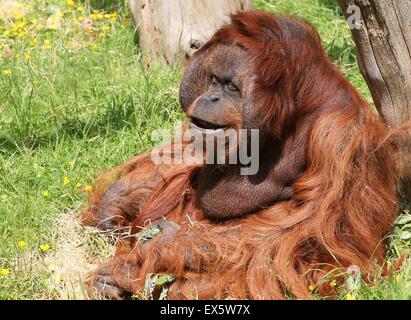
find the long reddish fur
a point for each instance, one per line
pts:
(343, 205)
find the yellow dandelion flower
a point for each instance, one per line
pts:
(113, 16)
(46, 42)
(46, 194)
(333, 283)
(79, 8)
(6, 72)
(6, 33)
(107, 16)
(17, 56)
(311, 287)
(397, 277)
(22, 244)
(93, 47)
(66, 180)
(78, 185)
(27, 57)
(20, 25)
(106, 28)
(89, 188)
(21, 34)
(33, 41)
(349, 296)
(19, 16)
(70, 3)
(4, 272)
(46, 247)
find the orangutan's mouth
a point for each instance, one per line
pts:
(205, 126)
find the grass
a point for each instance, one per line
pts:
(75, 98)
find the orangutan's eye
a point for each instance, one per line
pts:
(231, 86)
(215, 80)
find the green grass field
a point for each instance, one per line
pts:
(75, 98)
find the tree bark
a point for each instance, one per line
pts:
(177, 28)
(383, 42)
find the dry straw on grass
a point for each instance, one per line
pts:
(77, 252)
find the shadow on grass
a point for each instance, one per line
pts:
(107, 5)
(112, 118)
(343, 53)
(331, 4)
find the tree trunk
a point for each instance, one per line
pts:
(177, 28)
(383, 41)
